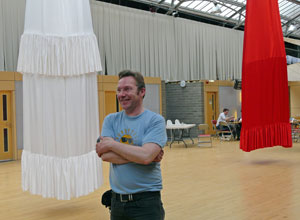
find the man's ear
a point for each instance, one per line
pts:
(143, 91)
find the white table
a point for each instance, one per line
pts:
(181, 128)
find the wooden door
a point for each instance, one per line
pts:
(211, 110)
(6, 149)
(111, 103)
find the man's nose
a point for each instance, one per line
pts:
(121, 93)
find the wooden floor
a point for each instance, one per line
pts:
(222, 182)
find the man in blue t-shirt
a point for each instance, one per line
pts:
(132, 141)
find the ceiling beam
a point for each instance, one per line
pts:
(207, 15)
(172, 8)
(290, 21)
(220, 2)
(223, 4)
(237, 12)
(291, 33)
(295, 1)
(179, 3)
(285, 17)
(239, 24)
(172, 3)
(239, 4)
(166, 6)
(188, 11)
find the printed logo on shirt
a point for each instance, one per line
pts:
(126, 139)
(127, 136)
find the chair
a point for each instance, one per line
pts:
(218, 132)
(295, 131)
(227, 134)
(214, 127)
(177, 122)
(169, 136)
(207, 137)
(178, 131)
(222, 135)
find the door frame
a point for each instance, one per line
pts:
(209, 95)
(214, 87)
(210, 87)
(7, 84)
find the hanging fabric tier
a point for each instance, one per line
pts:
(265, 98)
(58, 58)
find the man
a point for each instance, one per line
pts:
(223, 117)
(132, 141)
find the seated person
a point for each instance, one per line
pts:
(292, 120)
(223, 117)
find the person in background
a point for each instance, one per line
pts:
(132, 141)
(223, 117)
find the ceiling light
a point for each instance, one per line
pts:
(291, 27)
(216, 9)
(175, 14)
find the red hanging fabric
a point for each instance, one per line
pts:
(265, 97)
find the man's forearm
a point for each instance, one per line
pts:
(113, 157)
(141, 155)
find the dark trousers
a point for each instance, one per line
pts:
(145, 207)
(238, 130)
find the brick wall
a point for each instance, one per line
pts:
(185, 104)
(163, 97)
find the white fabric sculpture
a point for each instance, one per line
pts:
(58, 58)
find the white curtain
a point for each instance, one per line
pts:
(59, 58)
(160, 45)
(11, 28)
(293, 72)
(133, 39)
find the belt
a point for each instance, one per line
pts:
(134, 197)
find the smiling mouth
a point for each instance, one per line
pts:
(125, 100)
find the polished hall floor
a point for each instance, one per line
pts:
(206, 183)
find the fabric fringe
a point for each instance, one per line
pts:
(277, 134)
(59, 56)
(61, 178)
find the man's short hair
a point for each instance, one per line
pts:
(139, 79)
(225, 109)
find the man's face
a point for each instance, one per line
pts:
(128, 95)
(226, 112)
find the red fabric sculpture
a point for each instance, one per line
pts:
(265, 97)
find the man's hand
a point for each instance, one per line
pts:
(104, 145)
(159, 157)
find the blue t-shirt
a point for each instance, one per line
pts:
(148, 127)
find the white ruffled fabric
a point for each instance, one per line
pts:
(57, 55)
(61, 178)
(60, 114)
(61, 126)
